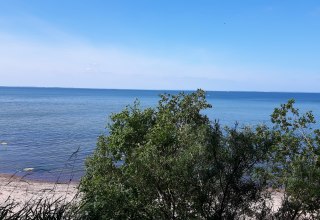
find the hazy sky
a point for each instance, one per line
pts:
(161, 44)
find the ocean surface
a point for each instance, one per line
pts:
(53, 130)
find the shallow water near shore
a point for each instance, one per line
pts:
(52, 130)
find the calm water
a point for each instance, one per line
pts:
(44, 126)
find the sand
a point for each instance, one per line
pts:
(22, 190)
(276, 199)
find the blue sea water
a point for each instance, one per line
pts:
(43, 127)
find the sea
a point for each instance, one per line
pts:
(46, 133)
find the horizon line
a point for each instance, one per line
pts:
(135, 89)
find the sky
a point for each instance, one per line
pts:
(248, 45)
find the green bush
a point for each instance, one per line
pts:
(296, 162)
(171, 162)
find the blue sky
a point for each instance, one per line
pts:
(161, 44)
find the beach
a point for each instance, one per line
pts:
(23, 190)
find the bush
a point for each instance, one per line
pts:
(171, 162)
(296, 162)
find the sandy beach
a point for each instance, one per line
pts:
(23, 190)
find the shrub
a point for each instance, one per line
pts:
(296, 162)
(171, 162)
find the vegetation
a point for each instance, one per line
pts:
(40, 209)
(296, 162)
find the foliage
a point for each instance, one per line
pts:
(171, 162)
(296, 162)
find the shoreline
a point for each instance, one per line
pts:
(29, 177)
(21, 190)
